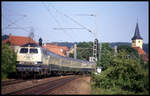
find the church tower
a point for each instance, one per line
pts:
(137, 40)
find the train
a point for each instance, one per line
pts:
(35, 60)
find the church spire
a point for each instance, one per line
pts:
(137, 33)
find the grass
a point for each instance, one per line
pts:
(4, 77)
(113, 91)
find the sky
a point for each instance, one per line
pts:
(76, 21)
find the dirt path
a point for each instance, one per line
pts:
(78, 86)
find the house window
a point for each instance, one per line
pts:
(139, 41)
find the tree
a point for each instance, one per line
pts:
(107, 55)
(8, 61)
(4, 37)
(84, 50)
(130, 51)
(124, 73)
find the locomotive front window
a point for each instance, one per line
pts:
(33, 51)
(24, 50)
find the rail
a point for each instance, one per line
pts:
(43, 88)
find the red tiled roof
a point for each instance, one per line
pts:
(64, 47)
(18, 40)
(140, 51)
(56, 49)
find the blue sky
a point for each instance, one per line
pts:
(112, 21)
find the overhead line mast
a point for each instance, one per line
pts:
(96, 50)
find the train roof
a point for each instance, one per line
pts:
(31, 45)
(68, 58)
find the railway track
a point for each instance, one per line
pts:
(44, 88)
(9, 82)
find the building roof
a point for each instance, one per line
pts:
(60, 50)
(137, 33)
(19, 40)
(65, 48)
(55, 50)
(140, 51)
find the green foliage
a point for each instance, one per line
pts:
(106, 46)
(85, 44)
(145, 65)
(8, 64)
(107, 55)
(112, 91)
(84, 50)
(130, 51)
(120, 72)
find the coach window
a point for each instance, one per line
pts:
(33, 50)
(24, 50)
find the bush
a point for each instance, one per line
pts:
(8, 61)
(107, 55)
(124, 73)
